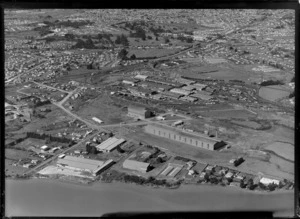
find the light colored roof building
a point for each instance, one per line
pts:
(201, 96)
(171, 95)
(83, 164)
(189, 87)
(267, 181)
(141, 77)
(190, 99)
(136, 165)
(180, 91)
(110, 144)
(194, 139)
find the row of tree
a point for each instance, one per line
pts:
(49, 138)
(271, 82)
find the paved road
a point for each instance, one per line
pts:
(44, 85)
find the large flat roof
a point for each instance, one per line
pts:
(81, 163)
(183, 133)
(110, 143)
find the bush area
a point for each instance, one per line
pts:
(271, 82)
(139, 180)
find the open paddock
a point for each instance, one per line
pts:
(285, 150)
(247, 124)
(227, 114)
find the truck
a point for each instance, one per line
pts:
(97, 120)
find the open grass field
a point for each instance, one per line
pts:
(227, 114)
(272, 94)
(282, 149)
(104, 109)
(250, 124)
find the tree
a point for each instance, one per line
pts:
(189, 40)
(122, 54)
(93, 150)
(149, 37)
(89, 66)
(167, 40)
(132, 56)
(156, 38)
(272, 186)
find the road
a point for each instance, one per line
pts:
(11, 79)
(55, 156)
(44, 85)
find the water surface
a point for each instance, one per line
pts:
(42, 197)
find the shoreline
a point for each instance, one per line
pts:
(155, 187)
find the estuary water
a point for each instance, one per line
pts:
(44, 197)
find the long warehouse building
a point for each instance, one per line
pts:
(83, 164)
(193, 139)
(110, 144)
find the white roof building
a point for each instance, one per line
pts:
(180, 91)
(141, 77)
(267, 181)
(44, 147)
(110, 144)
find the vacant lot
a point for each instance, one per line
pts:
(104, 109)
(282, 149)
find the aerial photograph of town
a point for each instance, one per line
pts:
(149, 110)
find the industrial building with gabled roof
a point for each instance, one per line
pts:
(110, 144)
(83, 164)
(194, 139)
(136, 165)
(141, 77)
(138, 112)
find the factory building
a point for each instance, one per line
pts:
(171, 170)
(138, 112)
(201, 96)
(83, 164)
(136, 165)
(194, 139)
(180, 91)
(171, 95)
(110, 144)
(141, 77)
